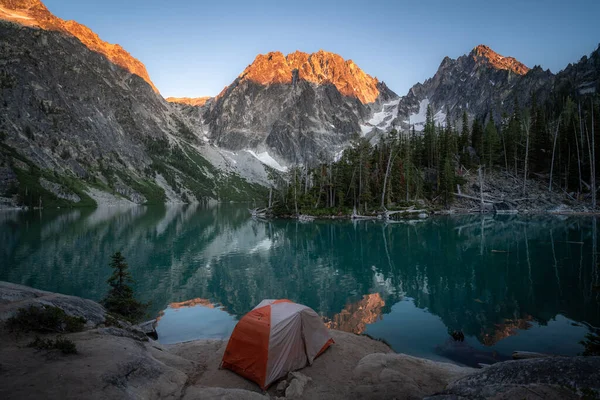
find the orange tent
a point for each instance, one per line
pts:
(276, 337)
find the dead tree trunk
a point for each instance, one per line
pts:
(553, 153)
(270, 196)
(527, 127)
(578, 157)
(592, 171)
(480, 187)
(385, 178)
(295, 194)
(593, 160)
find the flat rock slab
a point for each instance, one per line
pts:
(400, 376)
(13, 297)
(106, 367)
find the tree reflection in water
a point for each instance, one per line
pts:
(491, 277)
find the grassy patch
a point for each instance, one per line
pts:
(46, 319)
(66, 346)
(30, 191)
(153, 193)
(235, 188)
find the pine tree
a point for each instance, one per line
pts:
(429, 139)
(465, 141)
(491, 141)
(477, 138)
(541, 145)
(120, 299)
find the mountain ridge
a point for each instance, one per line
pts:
(483, 53)
(321, 67)
(35, 13)
(189, 101)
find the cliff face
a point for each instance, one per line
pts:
(318, 68)
(480, 83)
(34, 13)
(483, 54)
(297, 108)
(72, 120)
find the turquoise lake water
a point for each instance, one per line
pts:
(508, 282)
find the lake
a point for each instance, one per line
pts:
(508, 282)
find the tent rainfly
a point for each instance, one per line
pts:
(276, 337)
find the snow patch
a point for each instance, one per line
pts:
(383, 118)
(439, 118)
(418, 120)
(266, 159)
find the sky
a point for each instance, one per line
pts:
(195, 48)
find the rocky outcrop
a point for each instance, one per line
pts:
(549, 378)
(13, 297)
(59, 191)
(297, 108)
(189, 101)
(319, 68)
(117, 360)
(384, 376)
(480, 83)
(34, 13)
(483, 54)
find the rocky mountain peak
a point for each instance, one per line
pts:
(190, 101)
(484, 54)
(320, 68)
(35, 13)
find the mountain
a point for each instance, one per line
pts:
(189, 101)
(78, 127)
(81, 121)
(34, 13)
(480, 83)
(295, 108)
(581, 78)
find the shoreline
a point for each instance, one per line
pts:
(434, 214)
(118, 360)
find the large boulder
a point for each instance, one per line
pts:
(549, 378)
(400, 376)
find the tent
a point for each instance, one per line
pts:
(276, 337)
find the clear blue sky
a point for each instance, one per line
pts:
(195, 47)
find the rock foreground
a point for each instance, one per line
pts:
(119, 361)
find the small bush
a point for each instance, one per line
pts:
(45, 319)
(29, 133)
(66, 346)
(591, 344)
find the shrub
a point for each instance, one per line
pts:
(66, 346)
(29, 133)
(591, 344)
(46, 319)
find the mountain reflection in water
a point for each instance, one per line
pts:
(508, 282)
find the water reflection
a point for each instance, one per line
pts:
(356, 316)
(498, 279)
(188, 320)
